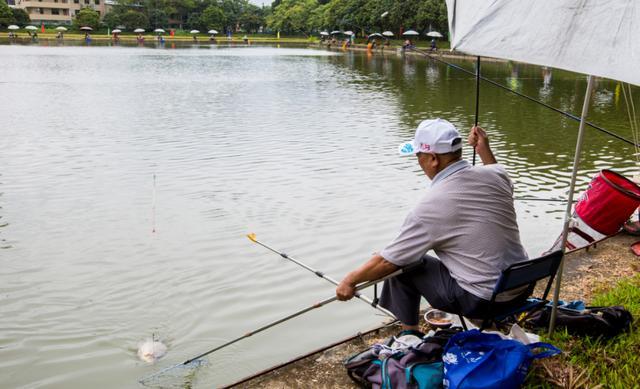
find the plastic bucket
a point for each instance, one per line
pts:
(608, 202)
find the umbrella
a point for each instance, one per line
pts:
(375, 35)
(482, 28)
(194, 32)
(335, 32)
(13, 27)
(139, 30)
(86, 28)
(32, 28)
(61, 28)
(116, 31)
(387, 33)
(324, 33)
(159, 30)
(434, 34)
(348, 33)
(411, 33)
(213, 32)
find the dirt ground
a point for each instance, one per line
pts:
(586, 272)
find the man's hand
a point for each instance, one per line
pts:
(480, 141)
(374, 268)
(345, 290)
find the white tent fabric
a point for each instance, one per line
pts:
(584, 36)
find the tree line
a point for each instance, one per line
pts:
(202, 15)
(359, 16)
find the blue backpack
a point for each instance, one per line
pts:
(473, 359)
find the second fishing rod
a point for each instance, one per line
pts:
(373, 303)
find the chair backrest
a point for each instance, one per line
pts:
(528, 272)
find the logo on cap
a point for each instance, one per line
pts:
(425, 147)
(407, 148)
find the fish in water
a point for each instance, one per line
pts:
(151, 350)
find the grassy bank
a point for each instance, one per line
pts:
(588, 362)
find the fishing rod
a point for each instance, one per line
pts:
(319, 304)
(566, 114)
(477, 102)
(373, 303)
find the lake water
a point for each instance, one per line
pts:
(296, 145)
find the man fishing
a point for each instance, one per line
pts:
(466, 217)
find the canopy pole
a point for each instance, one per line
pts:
(567, 215)
(475, 123)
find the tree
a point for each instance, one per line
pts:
(6, 16)
(134, 19)
(20, 16)
(212, 17)
(292, 16)
(112, 19)
(87, 17)
(252, 18)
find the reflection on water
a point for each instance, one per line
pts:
(296, 145)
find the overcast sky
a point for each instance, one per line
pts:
(259, 2)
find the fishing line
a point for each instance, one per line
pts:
(153, 206)
(566, 114)
(367, 300)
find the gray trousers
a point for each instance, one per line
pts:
(432, 280)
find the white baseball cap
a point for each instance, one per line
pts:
(435, 136)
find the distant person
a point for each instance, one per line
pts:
(140, 38)
(195, 39)
(212, 39)
(408, 44)
(434, 47)
(245, 39)
(87, 38)
(59, 35)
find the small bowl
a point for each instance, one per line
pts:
(438, 318)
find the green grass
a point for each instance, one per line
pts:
(589, 362)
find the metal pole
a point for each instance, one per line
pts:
(567, 215)
(321, 275)
(477, 101)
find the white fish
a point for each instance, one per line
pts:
(151, 350)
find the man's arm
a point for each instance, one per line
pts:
(478, 138)
(374, 268)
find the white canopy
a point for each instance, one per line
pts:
(348, 33)
(434, 34)
(594, 37)
(61, 28)
(159, 30)
(411, 33)
(324, 33)
(138, 30)
(116, 31)
(213, 32)
(13, 27)
(387, 33)
(194, 32)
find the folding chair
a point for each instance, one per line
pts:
(516, 276)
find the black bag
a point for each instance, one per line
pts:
(359, 363)
(593, 321)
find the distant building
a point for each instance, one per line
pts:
(57, 11)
